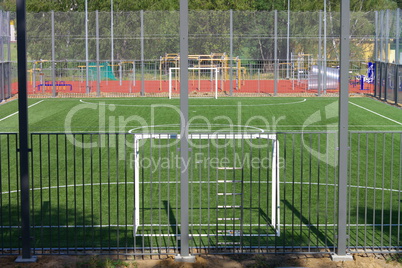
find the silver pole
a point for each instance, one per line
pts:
(97, 56)
(381, 35)
(184, 198)
(142, 54)
(325, 48)
(9, 54)
(231, 53)
(288, 43)
(86, 48)
(343, 130)
(376, 37)
(319, 63)
(276, 53)
(111, 34)
(53, 59)
(387, 27)
(396, 56)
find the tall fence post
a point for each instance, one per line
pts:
(231, 53)
(86, 49)
(184, 255)
(343, 133)
(396, 85)
(53, 59)
(98, 77)
(142, 54)
(276, 53)
(23, 134)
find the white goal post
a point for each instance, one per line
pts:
(275, 190)
(213, 71)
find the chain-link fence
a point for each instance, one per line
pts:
(254, 52)
(5, 56)
(388, 70)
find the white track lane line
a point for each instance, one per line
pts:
(17, 112)
(383, 116)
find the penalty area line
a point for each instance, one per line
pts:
(383, 116)
(4, 118)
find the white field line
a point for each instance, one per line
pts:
(383, 116)
(4, 118)
(196, 182)
(198, 225)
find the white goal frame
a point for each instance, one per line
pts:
(195, 68)
(275, 205)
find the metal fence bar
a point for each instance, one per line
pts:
(343, 128)
(83, 194)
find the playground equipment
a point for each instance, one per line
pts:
(221, 61)
(61, 84)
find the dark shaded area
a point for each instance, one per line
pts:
(319, 234)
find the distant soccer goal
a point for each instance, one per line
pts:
(205, 77)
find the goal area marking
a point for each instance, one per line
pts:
(275, 181)
(212, 69)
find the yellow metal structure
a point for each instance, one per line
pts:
(221, 61)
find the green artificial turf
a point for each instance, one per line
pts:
(83, 196)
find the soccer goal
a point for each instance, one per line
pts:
(211, 72)
(224, 181)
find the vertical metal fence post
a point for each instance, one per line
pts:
(142, 54)
(319, 61)
(9, 56)
(397, 18)
(53, 59)
(343, 133)
(111, 35)
(97, 55)
(23, 134)
(2, 63)
(231, 53)
(276, 52)
(184, 255)
(376, 36)
(324, 80)
(86, 49)
(288, 42)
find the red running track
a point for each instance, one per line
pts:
(203, 86)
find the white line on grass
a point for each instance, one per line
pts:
(196, 182)
(4, 118)
(197, 105)
(383, 116)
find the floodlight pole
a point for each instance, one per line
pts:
(184, 255)
(343, 134)
(23, 134)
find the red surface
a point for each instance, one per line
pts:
(246, 86)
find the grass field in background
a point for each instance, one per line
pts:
(84, 197)
(268, 114)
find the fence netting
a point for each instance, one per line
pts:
(256, 53)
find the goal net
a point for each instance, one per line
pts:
(233, 185)
(202, 79)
